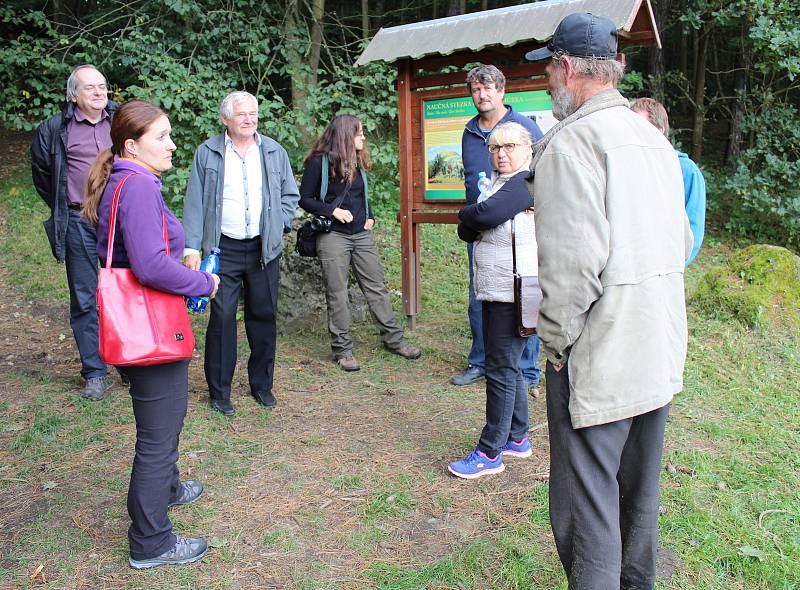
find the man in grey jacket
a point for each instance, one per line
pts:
(613, 237)
(240, 198)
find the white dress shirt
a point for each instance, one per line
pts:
(241, 192)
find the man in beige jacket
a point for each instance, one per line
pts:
(613, 237)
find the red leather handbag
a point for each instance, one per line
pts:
(139, 325)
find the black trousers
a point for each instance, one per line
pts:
(506, 393)
(159, 394)
(604, 494)
(240, 265)
(81, 262)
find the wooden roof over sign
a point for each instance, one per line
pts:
(506, 27)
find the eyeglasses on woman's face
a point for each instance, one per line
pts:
(506, 147)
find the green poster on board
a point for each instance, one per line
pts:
(443, 125)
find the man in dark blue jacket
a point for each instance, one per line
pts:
(487, 87)
(62, 152)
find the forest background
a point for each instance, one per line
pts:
(728, 73)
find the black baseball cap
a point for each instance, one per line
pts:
(581, 34)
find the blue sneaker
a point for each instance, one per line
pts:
(476, 464)
(517, 448)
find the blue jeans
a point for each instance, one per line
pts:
(477, 354)
(81, 263)
(506, 394)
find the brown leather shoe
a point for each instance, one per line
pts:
(407, 351)
(348, 363)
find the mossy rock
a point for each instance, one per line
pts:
(301, 292)
(759, 286)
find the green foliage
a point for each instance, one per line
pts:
(185, 56)
(761, 197)
(775, 36)
(632, 83)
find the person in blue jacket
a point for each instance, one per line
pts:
(694, 184)
(487, 85)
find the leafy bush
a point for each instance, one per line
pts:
(185, 56)
(762, 197)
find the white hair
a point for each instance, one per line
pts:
(510, 132)
(606, 71)
(72, 81)
(234, 98)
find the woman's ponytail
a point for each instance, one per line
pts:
(96, 183)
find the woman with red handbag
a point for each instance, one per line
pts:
(124, 184)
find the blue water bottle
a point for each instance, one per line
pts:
(197, 304)
(484, 185)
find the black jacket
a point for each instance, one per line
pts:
(49, 170)
(510, 199)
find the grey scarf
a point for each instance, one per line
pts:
(603, 100)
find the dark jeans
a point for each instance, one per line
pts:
(81, 262)
(506, 393)
(338, 253)
(240, 265)
(159, 394)
(529, 363)
(604, 494)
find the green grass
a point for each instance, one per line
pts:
(297, 497)
(36, 272)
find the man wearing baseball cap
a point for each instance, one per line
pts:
(613, 237)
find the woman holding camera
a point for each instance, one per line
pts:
(503, 215)
(341, 157)
(141, 150)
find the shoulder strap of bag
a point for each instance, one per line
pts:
(323, 186)
(366, 191)
(513, 248)
(112, 222)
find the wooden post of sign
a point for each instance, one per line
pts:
(409, 233)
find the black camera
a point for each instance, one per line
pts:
(321, 224)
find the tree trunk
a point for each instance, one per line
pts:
(317, 14)
(60, 13)
(364, 20)
(684, 53)
(302, 57)
(703, 37)
(294, 56)
(655, 56)
(377, 19)
(740, 79)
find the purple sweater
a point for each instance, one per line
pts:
(139, 239)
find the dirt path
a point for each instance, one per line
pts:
(35, 335)
(349, 471)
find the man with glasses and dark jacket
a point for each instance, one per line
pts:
(62, 152)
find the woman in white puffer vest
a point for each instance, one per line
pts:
(488, 224)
